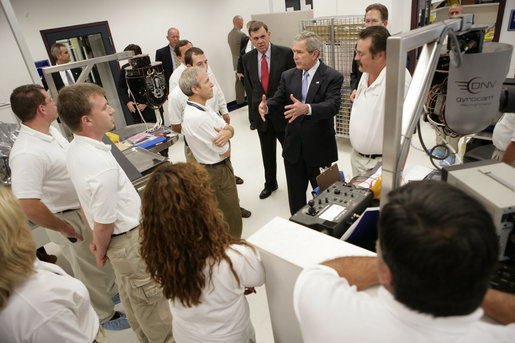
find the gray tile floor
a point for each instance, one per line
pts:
(246, 159)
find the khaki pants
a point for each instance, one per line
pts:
(100, 282)
(221, 178)
(360, 164)
(189, 154)
(147, 309)
(453, 142)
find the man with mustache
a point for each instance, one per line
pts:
(367, 115)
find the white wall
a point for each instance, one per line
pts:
(204, 22)
(508, 36)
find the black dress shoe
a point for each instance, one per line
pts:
(245, 213)
(238, 180)
(265, 193)
(252, 126)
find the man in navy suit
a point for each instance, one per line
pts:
(311, 95)
(166, 54)
(259, 81)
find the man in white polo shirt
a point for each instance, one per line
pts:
(180, 49)
(42, 183)
(367, 115)
(111, 206)
(436, 252)
(208, 136)
(195, 57)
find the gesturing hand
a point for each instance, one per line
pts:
(263, 107)
(296, 109)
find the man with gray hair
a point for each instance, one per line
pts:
(61, 55)
(208, 137)
(311, 95)
(166, 54)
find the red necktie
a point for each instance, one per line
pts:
(264, 73)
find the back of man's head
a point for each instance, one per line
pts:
(179, 45)
(74, 102)
(25, 101)
(378, 36)
(188, 55)
(237, 21)
(133, 47)
(440, 246)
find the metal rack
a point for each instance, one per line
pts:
(339, 35)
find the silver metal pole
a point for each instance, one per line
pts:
(396, 49)
(20, 40)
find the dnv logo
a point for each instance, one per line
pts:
(475, 85)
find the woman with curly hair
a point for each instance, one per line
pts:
(39, 302)
(203, 270)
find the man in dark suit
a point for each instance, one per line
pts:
(63, 78)
(311, 95)
(166, 54)
(262, 68)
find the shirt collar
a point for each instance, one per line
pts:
(378, 81)
(30, 131)
(313, 69)
(97, 144)
(407, 315)
(197, 105)
(268, 52)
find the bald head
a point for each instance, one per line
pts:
(237, 21)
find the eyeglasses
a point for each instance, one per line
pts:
(359, 53)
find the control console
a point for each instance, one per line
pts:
(335, 209)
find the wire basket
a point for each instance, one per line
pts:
(339, 35)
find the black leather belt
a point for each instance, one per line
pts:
(215, 164)
(68, 210)
(123, 233)
(372, 156)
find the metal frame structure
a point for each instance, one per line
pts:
(395, 142)
(89, 63)
(20, 40)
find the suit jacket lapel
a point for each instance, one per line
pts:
(315, 83)
(297, 90)
(253, 67)
(275, 76)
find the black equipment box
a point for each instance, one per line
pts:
(335, 209)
